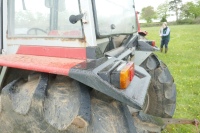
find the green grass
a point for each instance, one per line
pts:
(183, 60)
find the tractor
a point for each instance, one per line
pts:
(80, 66)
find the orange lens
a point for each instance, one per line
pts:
(126, 75)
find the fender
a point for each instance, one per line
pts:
(141, 56)
(145, 45)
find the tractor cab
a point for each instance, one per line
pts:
(72, 23)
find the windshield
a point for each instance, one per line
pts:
(44, 18)
(115, 17)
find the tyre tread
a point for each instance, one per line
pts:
(162, 89)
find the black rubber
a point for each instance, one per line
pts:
(44, 104)
(162, 90)
(57, 104)
(109, 115)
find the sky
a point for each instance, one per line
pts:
(139, 4)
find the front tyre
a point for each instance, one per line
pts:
(161, 97)
(44, 103)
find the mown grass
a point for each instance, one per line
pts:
(183, 60)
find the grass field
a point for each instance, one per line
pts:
(183, 60)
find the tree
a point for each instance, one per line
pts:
(185, 10)
(148, 14)
(191, 10)
(175, 5)
(162, 11)
(194, 9)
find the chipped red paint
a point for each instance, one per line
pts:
(52, 65)
(63, 52)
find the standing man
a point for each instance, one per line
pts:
(165, 37)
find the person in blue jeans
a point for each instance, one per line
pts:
(165, 37)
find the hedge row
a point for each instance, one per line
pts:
(183, 21)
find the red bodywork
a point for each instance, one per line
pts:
(63, 52)
(55, 60)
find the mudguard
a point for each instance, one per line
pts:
(141, 56)
(144, 46)
(134, 95)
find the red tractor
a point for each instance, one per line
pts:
(79, 66)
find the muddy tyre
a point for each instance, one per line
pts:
(161, 98)
(57, 104)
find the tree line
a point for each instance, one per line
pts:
(189, 10)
